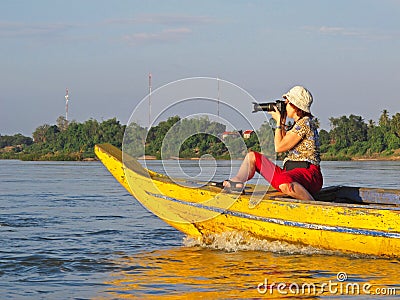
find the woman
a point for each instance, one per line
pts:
(301, 175)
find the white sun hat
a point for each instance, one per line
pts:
(300, 97)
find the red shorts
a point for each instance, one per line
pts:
(310, 179)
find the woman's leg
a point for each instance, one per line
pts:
(256, 162)
(246, 171)
(295, 190)
(301, 183)
(288, 183)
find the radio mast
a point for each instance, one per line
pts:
(218, 98)
(66, 104)
(149, 100)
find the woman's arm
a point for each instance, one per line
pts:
(284, 141)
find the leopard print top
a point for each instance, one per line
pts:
(308, 149)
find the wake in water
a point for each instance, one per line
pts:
(237, 241)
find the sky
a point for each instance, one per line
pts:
(346, 52)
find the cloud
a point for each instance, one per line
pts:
(176, 27)
(164, 19)
(351, 32)
(166, 35)
(340, 31)
(15, 29)
(172, 27)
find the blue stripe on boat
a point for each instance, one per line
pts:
(284, 222)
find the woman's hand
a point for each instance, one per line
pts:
(276, 115)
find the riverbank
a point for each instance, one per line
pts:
(76, 156)
(76, 141)
(57, 156)
(392, 155)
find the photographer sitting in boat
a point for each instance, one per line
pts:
(301, 174)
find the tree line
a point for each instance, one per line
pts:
(349, 137)
(352, 137)
(192, 138)
(66, 141)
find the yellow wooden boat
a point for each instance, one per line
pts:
(346, 219)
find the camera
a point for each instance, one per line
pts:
(269, 106)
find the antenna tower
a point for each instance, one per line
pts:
(218, 98)
(149, 100)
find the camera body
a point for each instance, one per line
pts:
(269, 106)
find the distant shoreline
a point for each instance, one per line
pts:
(396, 158)
(73, 141)
(149, 158)
(195, 159)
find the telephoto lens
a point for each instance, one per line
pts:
(270, 106)
(263, 106)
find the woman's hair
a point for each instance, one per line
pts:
(299, 112)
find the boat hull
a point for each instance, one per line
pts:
(202, 212)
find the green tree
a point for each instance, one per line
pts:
(384, 120)
(253, 142)
(76, 141)
(266, 139)
(376, 139)
(62, 123)
(134, 140)
(51, 134)
(39, 133)
(191, 138)
(155, 136)
(324, 140)
(395, 124)
(15, 140)
(347, 130)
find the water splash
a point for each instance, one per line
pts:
(238, 241)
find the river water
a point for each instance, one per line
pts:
(68, 230)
